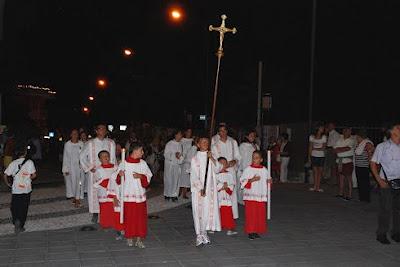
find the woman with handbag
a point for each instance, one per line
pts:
(22, 170)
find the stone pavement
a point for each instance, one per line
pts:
(307, 229)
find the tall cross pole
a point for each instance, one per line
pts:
(220, 52)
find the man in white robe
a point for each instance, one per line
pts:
(205, 206)
(71, 169)
(90, 161)
(227, 147)
(174, 158)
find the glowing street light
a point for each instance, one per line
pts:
(91, 98)
(128, 52)
(85, 109)
(176, 14)
(102, 83)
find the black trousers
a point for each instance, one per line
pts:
(389, 204)
(19, 207)
(364, 186)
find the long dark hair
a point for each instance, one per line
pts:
(247, 133)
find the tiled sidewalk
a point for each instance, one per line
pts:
(307, 229)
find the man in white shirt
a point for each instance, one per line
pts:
(330, 158)
(344, 149)
(90, 161)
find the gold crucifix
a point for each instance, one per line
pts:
(222, 30)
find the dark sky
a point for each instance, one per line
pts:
(68, 44)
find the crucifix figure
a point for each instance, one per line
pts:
(222, 30)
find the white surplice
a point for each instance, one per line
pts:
(172, 168)
(89, 159)
(75, 180)
(246, 150)
(205, 209)
(229, 150)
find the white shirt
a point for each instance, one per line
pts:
(347, 155)
(225, 199)
(316, 144)
(333, 138)
(228, 149)
(388, 155)
(246, 153)
(258, 190)
(22, 182)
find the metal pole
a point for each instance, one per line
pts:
(312, 59)
(259, 89)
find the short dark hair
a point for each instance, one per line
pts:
(362, 133)
(222, 158)
(222, 125)
(259, 152)
(285, 136)
(103, 151)
(135, 146)
(392, 125)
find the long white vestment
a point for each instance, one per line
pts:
(172, 168)
(74, 181)
(205, 209)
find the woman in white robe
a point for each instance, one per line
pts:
(71, 169)
(173, 155)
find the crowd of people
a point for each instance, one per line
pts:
(219, 173)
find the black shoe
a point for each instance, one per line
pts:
(339, 196)
(252, 236)
(174, 199)
(167, 198)
(257, 236)
(396, 237)
(383, 239)
(95, 218)
(17, 227)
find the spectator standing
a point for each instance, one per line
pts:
(284, 155)
(387, 156)
(344, 149)
(363, 155)
(330, 155)
(316, 155)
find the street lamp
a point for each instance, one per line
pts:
(91, 98)
(85, 110)
(102, 83)
(176, 14)
(128, 52)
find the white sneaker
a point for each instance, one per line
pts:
(139, 244)
(206, 239)
(311, 189)
(129, 242)
(320, 190)
(199, 240)
(211, 232)
(231, 233)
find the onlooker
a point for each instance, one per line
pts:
(275, 148)
(387, 155)
(330, 155)
(363, 154)
(285, 153)
(316, 155)
(344, 149)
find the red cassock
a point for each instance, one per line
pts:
(107, 215)
(227, 221)
(135, 223)
(255, 217)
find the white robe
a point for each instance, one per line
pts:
(101, 175)
(230, 151)
(89, 159)
(185, 179)
(75, 180)
(224, 199)
(205, 209)
(246, 150)
(172, 168)
(133, 189)
(258, 191)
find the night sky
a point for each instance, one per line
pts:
(67, 45)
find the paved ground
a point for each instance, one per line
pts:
(307, 229)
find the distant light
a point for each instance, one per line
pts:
(85, 109)
(128, 52)
(110, 127)
(102, 83)
(89, 136)
(91, 98)
(60, 139)
(46, 137)
(51, 134)
(123, 127)
(202, 117)
(175, 14)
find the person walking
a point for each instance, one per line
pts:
(385, 166)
